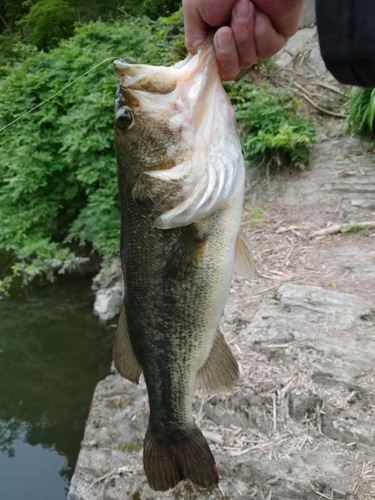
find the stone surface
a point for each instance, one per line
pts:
(299, 331)
(302, 53)
(301, 422)
(308, 13)
(109, 288)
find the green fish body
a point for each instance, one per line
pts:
(181, 182)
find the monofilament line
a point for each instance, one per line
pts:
(59, 92)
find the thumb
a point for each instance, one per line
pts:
(195, 26)
(199, 15)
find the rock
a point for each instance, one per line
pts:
(109, 290)
(302, 405)
(302, 52)
(308, 13)
(302, 313)
(108, 302)
(110, 461)
(342, 180)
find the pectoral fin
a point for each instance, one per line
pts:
(123, 355)
(244, 264)
(220, 372)
(185, 256)
(154, 196)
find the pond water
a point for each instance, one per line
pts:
(53, 351)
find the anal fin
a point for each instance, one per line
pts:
(244, 264)
(220, 371)
(123, 355)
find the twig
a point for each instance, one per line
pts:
(323, 496)
(5, 23)
(337, 228)
(118, 471)
(330, 87)
(274, 413)
(303, 227)
(286, 261)
(287, 344)
(305, 95)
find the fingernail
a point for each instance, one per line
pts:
(241, 11)
(224, 40)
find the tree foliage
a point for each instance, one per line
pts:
(58, 182)
(274, 130)
(48, 21)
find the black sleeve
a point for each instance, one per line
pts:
(346, 31)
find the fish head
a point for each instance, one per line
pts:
(147, 136)
(176, 138)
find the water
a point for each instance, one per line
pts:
(52, 353)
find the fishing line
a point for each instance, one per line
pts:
(59, 92)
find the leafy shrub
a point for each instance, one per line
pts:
(273, 129)
(362, 110)
(48, 21)
(58, 180)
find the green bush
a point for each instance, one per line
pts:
(48, 21)
(274, 130)
(362, 110)
(58, 180)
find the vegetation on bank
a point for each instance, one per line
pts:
(45, 22)
(362, 111)
(58, 185)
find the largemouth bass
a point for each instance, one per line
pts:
(181, 181)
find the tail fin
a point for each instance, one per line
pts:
(168, 463)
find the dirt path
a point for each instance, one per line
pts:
(300, 425)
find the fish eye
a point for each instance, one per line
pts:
(124, 117)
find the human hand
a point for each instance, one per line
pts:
(248, 29)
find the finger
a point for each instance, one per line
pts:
(284, 14)
(242, 25)
(226, 54)
(195, 26)
(267, 40)
(199, 15)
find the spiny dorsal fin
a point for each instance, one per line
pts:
(123, 355)
(244, 264)
(220, 371)
(185, 256)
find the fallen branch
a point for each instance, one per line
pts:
(330, 87)
(304, 94)
(343, 228)
(303, 227)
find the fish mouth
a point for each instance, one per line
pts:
(162, 79)
(153, 79)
